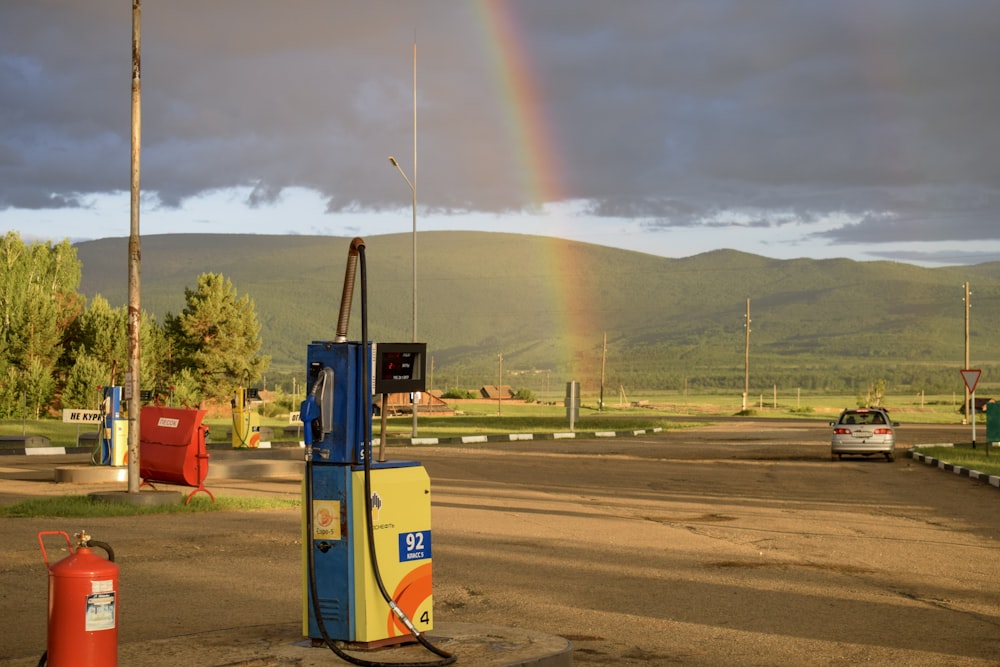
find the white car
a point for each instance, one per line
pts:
(863, 431)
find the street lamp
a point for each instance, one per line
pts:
(413, 191)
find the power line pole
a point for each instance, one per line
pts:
(499, 384)
(604, 356)
(132, 378)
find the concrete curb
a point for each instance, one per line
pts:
(516, 437)
(917, 455)
(456, 440)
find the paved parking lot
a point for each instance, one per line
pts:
(739, 543)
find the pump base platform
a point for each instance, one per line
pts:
(480, 645)
(86, 474)
(282, 644)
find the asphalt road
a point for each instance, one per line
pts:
(739, 543)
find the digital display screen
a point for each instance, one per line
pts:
(399, 367)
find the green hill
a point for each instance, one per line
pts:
(545, 304)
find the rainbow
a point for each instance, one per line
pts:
(522, 106)
(575, 329)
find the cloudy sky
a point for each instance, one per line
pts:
(867, 129)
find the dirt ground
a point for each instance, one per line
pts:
(739, 543)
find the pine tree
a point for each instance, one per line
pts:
(217, 336)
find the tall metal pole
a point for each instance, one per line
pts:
(132, 380)
(968, 406)
(604, 357)
(499, 384)
(414, 188)
(746, 359)
(413, 191)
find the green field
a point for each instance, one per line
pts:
(982, 459)
(642, 411)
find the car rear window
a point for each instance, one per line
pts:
(862, 418)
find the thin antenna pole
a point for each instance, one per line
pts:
(415, 401)
(414, 187)
(746, 359)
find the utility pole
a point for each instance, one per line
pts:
(604, 356)
(132, 378)
(746, 358)
(499, 384)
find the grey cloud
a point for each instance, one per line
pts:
(672, 113)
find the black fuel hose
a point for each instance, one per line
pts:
(98, 451)
(311, 568)
(357, 246)
(448, 658)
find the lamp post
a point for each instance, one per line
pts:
(413, 190)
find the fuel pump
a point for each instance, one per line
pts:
(366, 524)
(246, 420)
(113, 443)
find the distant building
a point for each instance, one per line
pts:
(400, 404)
(980, 405)
(496, 393)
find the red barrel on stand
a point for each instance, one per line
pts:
(172, 446)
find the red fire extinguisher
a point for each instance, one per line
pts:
(83, 606)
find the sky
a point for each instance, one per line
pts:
(866, 129)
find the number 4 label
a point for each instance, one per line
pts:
(414, 546)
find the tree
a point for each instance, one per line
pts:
(38, 387)
(38, 302)
(100, 335)
(82, 381)
(876, 392)
(186, 391)
(217, 336)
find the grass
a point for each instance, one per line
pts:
(85, 507)
(981, 459)
(443, 427)
(641, 410)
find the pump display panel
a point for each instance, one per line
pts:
(400, 367)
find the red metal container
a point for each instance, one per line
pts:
(172, 446)
(83, 608)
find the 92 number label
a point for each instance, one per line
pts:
(414, 546)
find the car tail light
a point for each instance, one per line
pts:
(841, 431)
(883, 431)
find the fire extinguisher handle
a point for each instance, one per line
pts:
(103, 545)
(41, 543)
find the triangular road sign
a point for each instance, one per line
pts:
(971, 377)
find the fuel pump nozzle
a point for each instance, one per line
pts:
(316, 412)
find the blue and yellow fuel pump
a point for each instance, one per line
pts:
(367, 540)
(113, 443)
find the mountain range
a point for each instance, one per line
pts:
(533, 310)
